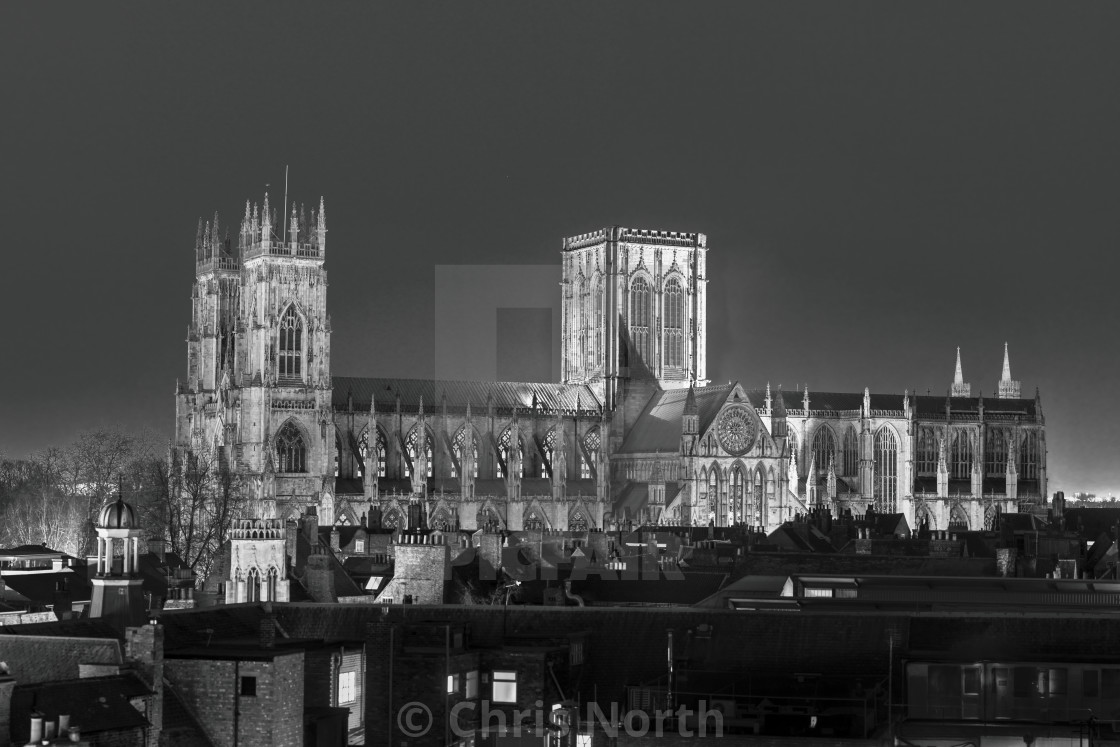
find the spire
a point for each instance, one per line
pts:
(1008, 389)
(769, 405)
(805, 400)
(468, 410)
(959, 388)
(780, 405)
(293, 225)
(690, 407)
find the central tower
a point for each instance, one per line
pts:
(633, 305)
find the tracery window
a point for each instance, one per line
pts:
(532, 521)
(960, 461)
(1029, 456)
(714, 503)
(291, 453)
(758, 503)
(591, 444)
(291, 344)
(958, 519)
(641, 316)
(824, 450)
(584, 325)
(459, 444)
(363, 447)
(674, 324)
(886, 471)
(577, 522)
(995, 452)
(549, 451)
(927, 452)
(504, 445)
(736, 496)
(598, 324)
(851, 452)
(414, 455)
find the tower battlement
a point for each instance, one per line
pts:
(636, 235)
(260, 235)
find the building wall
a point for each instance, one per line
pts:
(212, 690)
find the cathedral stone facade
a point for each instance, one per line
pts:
(633, 432)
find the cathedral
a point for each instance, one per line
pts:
(633, 433)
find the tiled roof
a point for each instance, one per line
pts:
(96, 704)
(658, 428)
(506, 394)
(37, 658)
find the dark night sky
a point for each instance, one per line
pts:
(879, 182)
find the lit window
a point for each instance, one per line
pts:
(452, 684)
(505, 687)
(360, 546)
(470, 682)
(583, 740)
(347, 686)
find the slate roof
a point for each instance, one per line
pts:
(41, 587)
(506, 394)
(44, 658)
(1093, 522)
(658, 428)
(96, 704)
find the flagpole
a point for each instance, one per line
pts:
(284, 212)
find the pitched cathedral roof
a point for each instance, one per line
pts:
(505, 394)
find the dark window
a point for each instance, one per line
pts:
(1091, 683)
(1110, 683)
(971, 681)
(1025, 682)
(249, 687)
(944, 681)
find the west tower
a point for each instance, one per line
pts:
(257, 399)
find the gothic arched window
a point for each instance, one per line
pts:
(960, 461)
(714, 504)
(641, 318)
(824, 450)
(597, 321)
(577, 522)
(291, 344)
(549, 451)
(927, 452)
(504, 446)
(591, 445)
(459, 444)
(1029, 456)
(532, 521)
(758, 507)
(995, 452)
(674, 321)
(736, 497)
(584, 326)
(886, 471)
(291, 453)
(958, 519)
(413, 454)
(851, 452)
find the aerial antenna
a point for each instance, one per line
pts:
(284, 219)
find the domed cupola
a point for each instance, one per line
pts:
(117, 515)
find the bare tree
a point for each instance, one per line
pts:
(190, 504)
